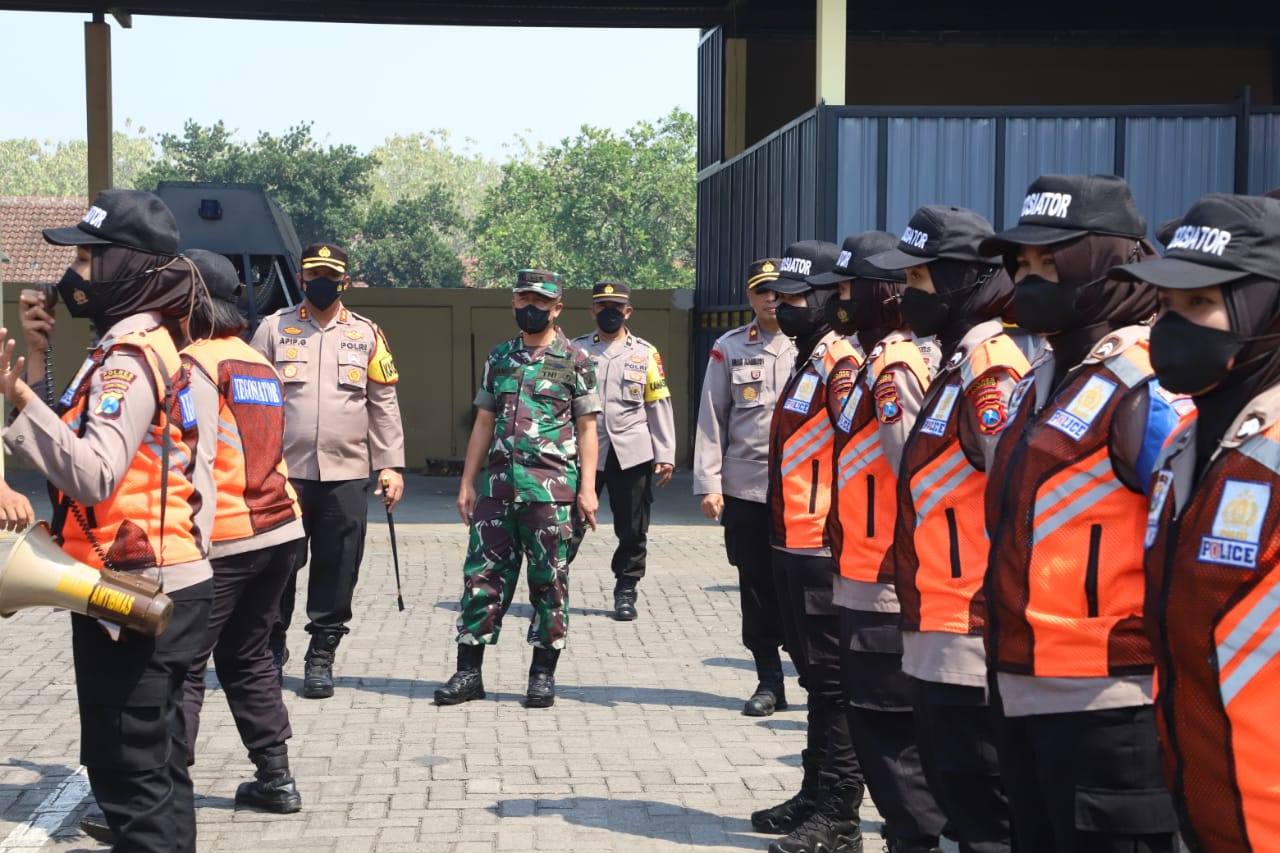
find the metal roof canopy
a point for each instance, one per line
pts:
(737, 17)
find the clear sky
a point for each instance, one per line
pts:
(357, 83)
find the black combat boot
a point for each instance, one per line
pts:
(624, 599)
(833, 828)
(465, 684)
(317, 681)
(786, 816)
(273, 788)
(542, 678)
(770, 695)
(93, 823)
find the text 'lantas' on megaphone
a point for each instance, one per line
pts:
(37, 573)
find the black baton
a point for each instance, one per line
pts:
(395, 556)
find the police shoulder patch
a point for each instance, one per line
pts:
(888, 403)
(1236, 534)
(990, 407)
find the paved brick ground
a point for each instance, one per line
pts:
(645, 748)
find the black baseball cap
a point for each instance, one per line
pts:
(325, 255)
(1220, 239)
(1063, 207)
(801, 260)
(762, 273)
(219, 275)
(938, 231)
(611, 291)
(131, 218)
(852, 260)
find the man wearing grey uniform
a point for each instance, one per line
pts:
(341, 418)
(636, 431)
(746, 368)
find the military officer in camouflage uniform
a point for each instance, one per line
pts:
(536, 427)
(341, 418)
(636, 430)
(746, 369)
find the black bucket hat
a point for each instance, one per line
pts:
(1059, 208)
(1222, 238)
(938, 231)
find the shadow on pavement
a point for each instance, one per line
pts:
(604, 695)
(642, 818)
(722, 587)
(525, 611)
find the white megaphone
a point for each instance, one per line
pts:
(37, 573)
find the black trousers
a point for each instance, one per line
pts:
(132, 738)
(335, 516)
(630, 497)
(882, 723)
(1087, 782)
(246, 605)
(746, 544)
(811, 622)
(956, 734)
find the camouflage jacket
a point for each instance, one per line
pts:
(535, 396)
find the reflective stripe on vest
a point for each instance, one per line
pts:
(253, 493)
(127, 524)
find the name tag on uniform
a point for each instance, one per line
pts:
(1237, 526)
(845, 422)
(253, 389)
(1159, 493)
(1080, 413)
(799, 400)
(187, 408)
(936, 423)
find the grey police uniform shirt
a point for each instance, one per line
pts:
(89, 468)
(340, 420)
(746, 369)
(637, 420)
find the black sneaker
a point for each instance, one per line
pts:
(821, 834)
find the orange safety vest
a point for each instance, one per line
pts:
(865, 484)
(127, 524)
(1213, 617)
(1065, 583)
(940, 540)
(254, 493)
(800, 449)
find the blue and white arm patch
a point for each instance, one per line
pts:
(187, 408)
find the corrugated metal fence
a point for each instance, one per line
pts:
(836, 171)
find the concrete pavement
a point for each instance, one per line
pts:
(645, 748)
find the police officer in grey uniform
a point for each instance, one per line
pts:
(341, 418)
(636, 431)
(746, 368)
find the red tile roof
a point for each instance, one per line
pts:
(31, 259)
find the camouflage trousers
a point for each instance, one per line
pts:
(502, 533)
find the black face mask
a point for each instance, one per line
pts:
(81, 298)
(323, 292)
(842, 315)
(1189, 358)
(532, 319)
(797, 322)
(610, 320)
(1045, 307)
(926, 313)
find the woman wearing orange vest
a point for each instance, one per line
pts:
(871, 428)
(122, 474)
(254, 525)
(1213, 527)
(1065, 511)
(824, 814)
(939, 553)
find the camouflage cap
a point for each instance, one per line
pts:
(543, 282)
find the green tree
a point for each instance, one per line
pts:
(598, 206)
(401, 244)
(323, 189)
(420, 164)
(29, 167)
